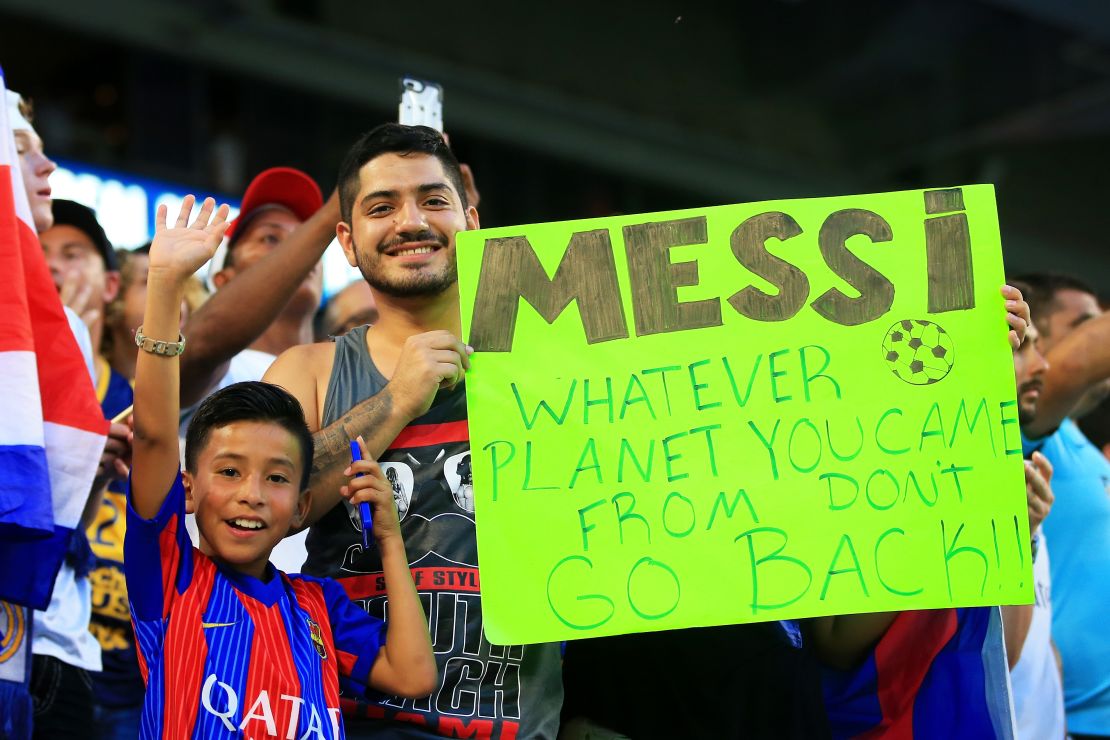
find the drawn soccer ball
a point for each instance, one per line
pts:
(918, 352)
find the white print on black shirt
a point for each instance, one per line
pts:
(478, 679)
(456, 469)
(401, 478)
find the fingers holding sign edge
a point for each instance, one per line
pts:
(1017, 315)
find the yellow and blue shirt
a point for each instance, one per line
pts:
(119, 684)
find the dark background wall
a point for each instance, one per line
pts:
(576, 109)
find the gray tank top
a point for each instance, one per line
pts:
(484, 690)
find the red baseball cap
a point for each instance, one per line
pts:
(281, 186)
(277, 186)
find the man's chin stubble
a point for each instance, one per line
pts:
(420, 286)
(413, 289)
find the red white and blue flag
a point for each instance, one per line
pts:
(52, 431)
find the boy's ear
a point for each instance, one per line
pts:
(304, 505)
(187, 483)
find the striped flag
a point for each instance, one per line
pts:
(52, 432)
(939, 673)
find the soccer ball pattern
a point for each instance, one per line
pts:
(918, 352)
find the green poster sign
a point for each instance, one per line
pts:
(745, 413)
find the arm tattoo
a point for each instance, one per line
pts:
(333, 442)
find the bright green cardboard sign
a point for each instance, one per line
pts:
(745, 413)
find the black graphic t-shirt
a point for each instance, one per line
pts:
(485, 691)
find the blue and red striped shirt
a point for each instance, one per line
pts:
(224, 654)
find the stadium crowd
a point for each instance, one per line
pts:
(383, 357)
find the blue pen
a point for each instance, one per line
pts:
(364, 507)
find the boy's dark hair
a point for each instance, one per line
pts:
(249, 401)
(394, 138)
(1039, 290)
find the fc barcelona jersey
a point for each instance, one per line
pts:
(225, 655)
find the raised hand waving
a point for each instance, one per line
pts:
(178, 252)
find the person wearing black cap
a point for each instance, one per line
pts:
(83, 265)
(86, 272)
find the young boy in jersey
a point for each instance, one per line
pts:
(228, 645)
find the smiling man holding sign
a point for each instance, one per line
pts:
(403, 198)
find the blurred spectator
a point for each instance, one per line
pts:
(1060, 305)
(124, 314)
(35, 166)
(118, 689)
(1075, 338)
(1034, 672)
(263, 302)
(267, 281)
(83, 265)
(64, 649)
(353, 306)
(76, 245)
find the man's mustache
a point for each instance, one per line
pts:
(420, 236)
(1035, 384)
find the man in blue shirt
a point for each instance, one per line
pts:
(1075, 338)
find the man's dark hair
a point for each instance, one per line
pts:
(249, 401)
(1039, 290)
(394, 138)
